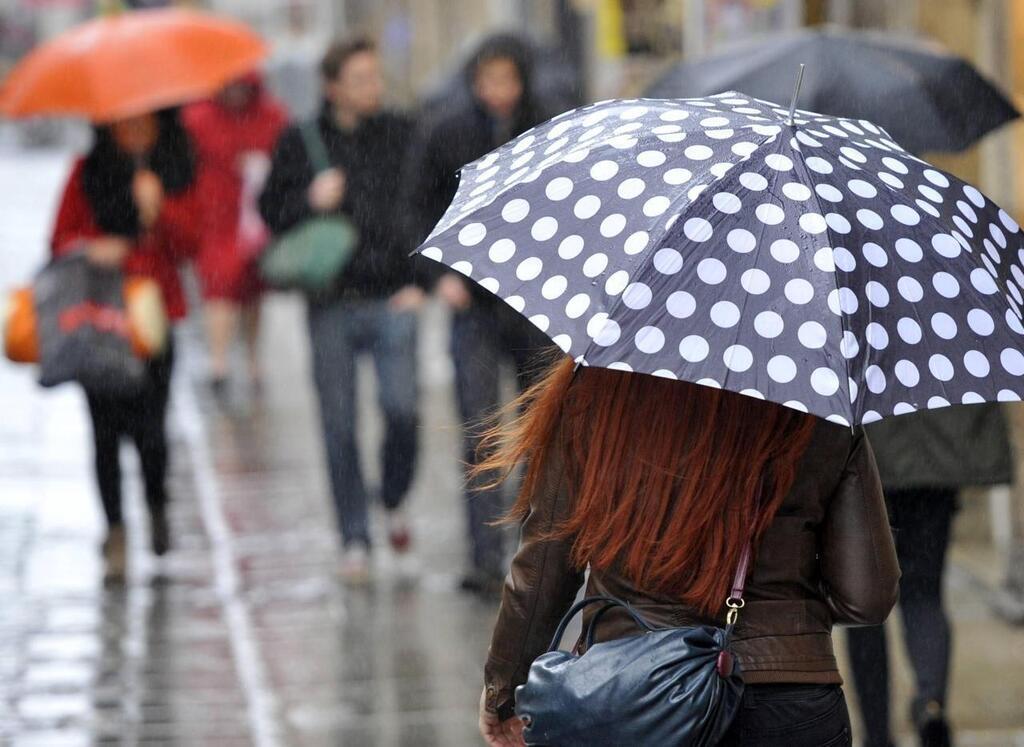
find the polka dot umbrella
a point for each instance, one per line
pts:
(815, 264)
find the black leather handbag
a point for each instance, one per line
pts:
(668, 686)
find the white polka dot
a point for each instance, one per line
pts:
(711, 271)
(515, 210)
(696, 192)
(725, 314)
(849, 346)
(812, 335)
(905, 215)
(769, 214)
(893, 181)
(941, 367)
(1007, 395)
(741, 240)
(554, 287)
(946, 245)
(972, 398)
(675, 177)
(909, 330)
(755, 281)
(681, 305)
(819, 165)
(604, 170)
(876, 336)
(828, 192)
(558, 188)
(544, 228)
(910, 289)
(974, 195)
(813, 223)
(637, 296)
(980, 322)
(939, 180)
(636, 242)
(571, 247)
(712, 122)
(616, 283)
(466, 268)
(983, 282)
(785, 251)
(472, 234)
(844, 259)
(491, 284)
(502, 251)
(967, 211)
(577, 306)
(824, 381)
(1012, 361)
(738, 358)
(874, 378)
(862, 188)
(778, 162)
(529, 268)
(656, 206)
(649, 340)
(768, 324)
(997, 234)
(631, 188)
(694, 348)
(753, 182)
(907, 373)
(843, 301)
(726, 202)
(564, 342)
(895, 164)
(903, 408)
(796, 191)
(824, 261)
(853, 154)
(909, 250)
(613, 225)
(698, 152)
(608, 334)
(586, 207)
(668, 261)
(651, 158)
(541, 322)
(877, 294)
(930, 193)
(869, 219)
(875, 255)
(697, 229)
(516, 302)
(781, 369)
(1008, 222)
(976, 364)
(838, 223)
(596, 264)
(799, 291)
(946, 285)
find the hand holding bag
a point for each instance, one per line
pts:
(669, 686)
(310, 256)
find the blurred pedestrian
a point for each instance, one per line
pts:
(129, 203)
(485, 332)
(657, 487)
(233, 136)
(373, 307)
(924, 459)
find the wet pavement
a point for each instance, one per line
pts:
(243, 635)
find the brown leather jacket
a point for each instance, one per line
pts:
(827, 558)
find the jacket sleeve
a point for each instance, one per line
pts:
(284, 202)
(74, 221)
(539, 590)
(859, 570)
(179, 225)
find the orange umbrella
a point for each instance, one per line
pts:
(126, 64)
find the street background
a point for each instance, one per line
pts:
(243, 635)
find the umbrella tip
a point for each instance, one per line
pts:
(796, 92)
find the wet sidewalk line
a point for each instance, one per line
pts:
(260, 702)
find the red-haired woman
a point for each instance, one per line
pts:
(657, 486)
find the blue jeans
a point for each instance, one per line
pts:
(339, 331)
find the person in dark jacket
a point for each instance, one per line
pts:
(924, 459)
(484, 331)
(373, 306)
(656, 487)
(131, 203)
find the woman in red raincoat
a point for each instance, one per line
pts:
(129, 203)
(233, 135)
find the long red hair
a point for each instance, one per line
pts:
(668, 479)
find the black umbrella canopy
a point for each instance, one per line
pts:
(925, 97)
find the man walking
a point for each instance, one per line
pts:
(373, 306)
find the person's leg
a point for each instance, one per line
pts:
(926, 517)
(477, 369)
(149, 431)
(221, 328)
(332, 329)
(869, 665)
(251, 314)
(394, 354)
(105, 416)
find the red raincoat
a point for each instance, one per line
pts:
(222, 138)
(171, 240)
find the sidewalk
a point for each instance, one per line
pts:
(243, 635)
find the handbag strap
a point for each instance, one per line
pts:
(316, 150)
(609, 602)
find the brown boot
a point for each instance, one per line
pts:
(115, 556)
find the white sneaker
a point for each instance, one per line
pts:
(355, 565)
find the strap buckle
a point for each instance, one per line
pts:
(735, 604)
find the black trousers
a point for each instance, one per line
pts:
(142, 418)
(921, 521)
(790, 716)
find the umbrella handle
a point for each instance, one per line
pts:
(796, 92)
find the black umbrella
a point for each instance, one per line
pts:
(926, 98)
(812, 262)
